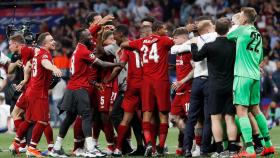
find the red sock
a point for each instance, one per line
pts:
(180, 139)
(21, 131)
(37, 134)
(78, 134)
(147, 131)
(198, 140)
(23, 143)
(163, 130)
(109, 132)
(122, 131)
(49, 136)
(154, 135)
(17, 123)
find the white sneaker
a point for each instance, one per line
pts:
(22, 150)
(94, 153)
(117, 153)
(108, 151)
(196, 151)
(79, 152)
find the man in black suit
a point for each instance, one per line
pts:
(220, 56)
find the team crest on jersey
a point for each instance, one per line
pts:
(91, 55)
(45, 56)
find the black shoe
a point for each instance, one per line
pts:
(140, 151)
(259, 150)
(58, 153)
(127, 151)
(203, 154)
(160, 151)
(149, 150)
(188, 153)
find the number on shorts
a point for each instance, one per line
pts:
(113, 97)
(153, 54)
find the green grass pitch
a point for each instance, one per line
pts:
(6, 139)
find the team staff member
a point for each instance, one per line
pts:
(220, 83)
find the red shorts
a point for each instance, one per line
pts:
(180, 104)
(22, 101)
(155, 93)
(131, 100)
(38, 109)
(104, 99)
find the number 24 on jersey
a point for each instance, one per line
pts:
(152, 54)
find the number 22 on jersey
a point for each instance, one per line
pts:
(152, 54)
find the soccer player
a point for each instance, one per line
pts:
(184, 73)
(17, 44)
(76, 99)
(37, 93)
(132, 99)
(94, 22)
(220, 85)
(246, 86)
(198, 106)
(106, 94)
(155, 90)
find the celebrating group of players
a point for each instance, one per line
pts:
(118, 83)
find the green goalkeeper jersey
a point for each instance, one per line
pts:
(249, 51)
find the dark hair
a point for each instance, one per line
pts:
(157, 25)
(250, 14)
(42, 37)
(18, 38)
(149, 19)
(122, 29)
(79, 33)
(222, 26)
(180, 31)
(90, 17)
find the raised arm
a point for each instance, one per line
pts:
(185, 47)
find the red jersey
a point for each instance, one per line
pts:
(183, 68)
(154, 53)
(134, 75)
(40, 77)
(81, 60)
(26, 53)
(93, 70)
